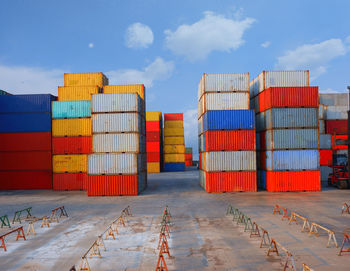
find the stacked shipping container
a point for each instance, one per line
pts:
(154, 138)
(288, 131)
(188, 157)
(71, 121)
(227, 146)
(25, 142)
(174, 142)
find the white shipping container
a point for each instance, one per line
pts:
(334, 99)
(119, 102)
(125, 142)
(115, 163)
(229, 161)
(118, 122)
(337, 112)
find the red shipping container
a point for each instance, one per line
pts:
(25, 141)
(173, 116)
(152, 126)
(230, 140)
(288, 97)
(25, 180)
(326, 157)
(283, 181)
(112, 185)
(262, 137)
(234, 181)
(25, 161)
(153, 136)
(70, 181)
(153, 146)
(339, 142)
(336, 127)
(188, 163)
(153, 157)
(188, 156)
(72, 145)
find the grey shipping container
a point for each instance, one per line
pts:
(118, 122)
(120, 142)
(325, 141)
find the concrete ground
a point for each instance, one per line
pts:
(202, 237)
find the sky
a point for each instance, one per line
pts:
(168, 45)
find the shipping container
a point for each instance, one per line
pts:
(153, 157)
(71, 127)
(337, 112)
(153, 136)
(85, 79)
(25, 142)
(188, 156)
(153, 146)
(117, 103)
(25, 122)
(188, 163)
(283, 181)
(115, 163)
(268, 79)
(71, 109)
(174, 149)
(239, 181)
(153, 116)
(173, 116)
(114, 89)
(69, 163)
(29, 160)
(334, 99)
(334, 126)
(326, 157)
(321, 111)
(200, 125)
(171, 167)
(153, 167)
(72, 145)
(229, 161)
(229, 140)
(325, 142)
(228, 120)
(290, 97)
(325, 171)
(118, 122)
(153, 126)
(174, 158)
(70, 181)
(125, 142)
(25, 180)
(174, 124)
(188, 150)
(77, 93)
(174, 131)
(322, 127)
(32, 103)
(174, 140)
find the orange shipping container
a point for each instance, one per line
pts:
(237, 181)
(230, 140)
(85, 79)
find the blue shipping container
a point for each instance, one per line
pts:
(71, 109)
(228, 120)
(174, 167)
(25, 122)
(35, 103)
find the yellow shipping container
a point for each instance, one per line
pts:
(174, 149)
(173, 131)
(174, 124)
(139, 89)
(69, 163)
(174, 158)
(71, 127)
(78, 93)
(153, 167)
(174, 140)
(85, 79)
(153, 116)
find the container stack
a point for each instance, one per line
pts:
(188, 157)
(227, 145)
(25, 142)
(154, 138)
(174, 142)
(117, 165)
(71, 129)
(288, 131)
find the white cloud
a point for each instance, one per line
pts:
(266, 44)
(91, 45)
(157, 70)
(191, 131)
(138, 36)
(314, 57)
(214, 32)
(29, 80)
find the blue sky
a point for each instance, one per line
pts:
(169, 44)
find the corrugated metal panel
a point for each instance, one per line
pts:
(153, 136)
(170, 167)
(153, 157)
(292, 160)
(174, 140)
(25, 123)
(114, 185)
(174, 158)
(128, 142)
(118, 122)
(153, 146)
(70, 181)
(153, 116)
(25, 141)
(72, 145)
(115, 163)
(229, 161)
(201, 143)
(174, 131)
(326, 157)
(174, 149)
(153, 126)
(334, 99)
(337, 112)
(325, 142)
(173, 116)
(291, 139)
(322, 127)
(200, 125)
(219, 182)
(224, 101)
(85, 79)
(33, 103)
(122, 102)
(229, 120)
(174, 124)
(139, 89)
(335, 126)
(25, 180)
(39, 160)
(321, 112)
(230, 140)
(153, 167)
(77, 93)
(69, 163)
(325, 171)
(268, 79)
(71, 127)
(71, 109)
